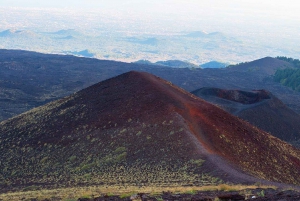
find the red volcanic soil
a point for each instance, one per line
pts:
(221, 134)
(251, 149)
(143, 120)
(260, 108)
(218, 133)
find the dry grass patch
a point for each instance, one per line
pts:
(124, 191)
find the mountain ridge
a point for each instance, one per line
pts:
(138, 121)
(40, 78)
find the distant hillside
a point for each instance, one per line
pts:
(258, 107)
(261, 67)
(144, 62)
(143, 41)
(17, 33)
(30, 79)
(214, 64)
(176, 64)
(169, 63)
(66, 32)
(6, 33)
(289, 77)
(69, 37)
(128, 130)
(295, 62)
(83, 53)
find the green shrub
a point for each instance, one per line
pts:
(120, 149)
(198, 162)
(121, 157)
(72, 158)
(261, 193)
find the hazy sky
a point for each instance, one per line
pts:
(266, 22)
(274, 6)
(266, 9)
(208, 15)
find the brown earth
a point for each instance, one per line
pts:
(260, 108)
(138, 129)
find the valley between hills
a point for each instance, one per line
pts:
(125, 128)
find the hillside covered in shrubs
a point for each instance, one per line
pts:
(289, 77)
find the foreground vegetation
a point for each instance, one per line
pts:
(70, 194)
(38, 156)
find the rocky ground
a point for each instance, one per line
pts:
(255, 195)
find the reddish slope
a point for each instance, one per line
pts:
(138, 122)
(259, 107)
(256, 152)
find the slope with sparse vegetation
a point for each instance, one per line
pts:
(137, 130)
